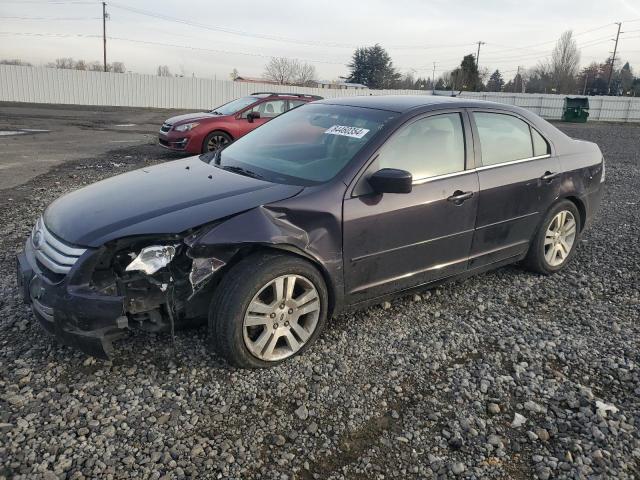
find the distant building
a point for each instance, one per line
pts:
(245, 79)
(340, 85)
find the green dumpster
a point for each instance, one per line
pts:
(576, 109)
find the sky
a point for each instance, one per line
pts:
(210, 38)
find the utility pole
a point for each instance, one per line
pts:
(478, 55)
(104, 35)
(478, 60)
(433, 78)
(586, 77)
(613, 59)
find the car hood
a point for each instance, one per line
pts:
(191, 117)
(169, 198)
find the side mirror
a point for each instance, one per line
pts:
(391, 180)
(251, 116)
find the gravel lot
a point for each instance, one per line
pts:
(506, 375)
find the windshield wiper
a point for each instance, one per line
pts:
(242, 171)
(215, 112)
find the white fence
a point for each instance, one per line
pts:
(48, 85)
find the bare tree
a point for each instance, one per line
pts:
(565, 61)
(483, 75)
(446, 80)
(117, 67)
(306, 75)
(15, 61)
(540, 78)
(281, 70)
(65, 63)
(69, 63)
(289, 71)
(234, 74)
(163, 71)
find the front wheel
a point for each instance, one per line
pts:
(215, 141)
(267, 308)
(556, 240)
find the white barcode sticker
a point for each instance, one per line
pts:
(345, 131)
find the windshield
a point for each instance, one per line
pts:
(235, 105)
(305, 146)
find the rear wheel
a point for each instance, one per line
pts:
(215, 141)
(555, 242)
(267, 308)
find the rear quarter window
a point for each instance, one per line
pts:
(540, 145)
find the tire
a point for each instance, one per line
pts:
(216, 140)
(246, 318)
(541, 257)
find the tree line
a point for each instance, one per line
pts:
(68, 63)
(373, 67)
(561, 73)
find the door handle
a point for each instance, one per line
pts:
(549, 176)
(459, 197)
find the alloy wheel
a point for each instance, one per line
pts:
(559, 238)
(281, 317)
(216, 142)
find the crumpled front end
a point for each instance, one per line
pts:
(65, 307)
(87, 298)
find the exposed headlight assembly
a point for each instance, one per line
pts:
(153, 258)
(185, 127)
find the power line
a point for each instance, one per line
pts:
(536, 56)
(146, 42)
(277, 38)
(251, 54)
(59, 2)
(584, 32)
(54, 19)
(59, 35)
(161, 44)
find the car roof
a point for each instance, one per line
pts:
(403, 103)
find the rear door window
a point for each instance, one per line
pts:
(295, 103)
(503, 138)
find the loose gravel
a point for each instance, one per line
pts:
(505, 375)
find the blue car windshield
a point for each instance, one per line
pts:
(305, 146)
(234, 106)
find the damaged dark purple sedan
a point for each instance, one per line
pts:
(336, 204)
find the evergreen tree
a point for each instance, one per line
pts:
(466, 76)
(496, 82)
(372, 66)
(626, 79)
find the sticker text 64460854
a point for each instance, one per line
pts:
(346, 131)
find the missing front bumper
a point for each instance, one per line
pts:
(83, 320)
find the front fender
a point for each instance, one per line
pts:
(315, 235)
